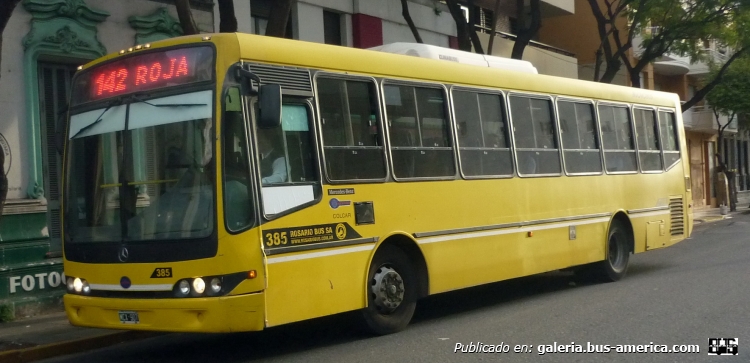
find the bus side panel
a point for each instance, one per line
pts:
(307, 285)
(519, 252)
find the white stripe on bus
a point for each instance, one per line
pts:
(305, 256)
(164, 287)
(650, 214)
(510, 230)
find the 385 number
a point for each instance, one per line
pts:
(162, 272)
(276, 239)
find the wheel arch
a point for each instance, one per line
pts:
(412, 251)
(622, 218)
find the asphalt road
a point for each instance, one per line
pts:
(682, 295)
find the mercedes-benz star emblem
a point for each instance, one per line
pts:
(123, 256)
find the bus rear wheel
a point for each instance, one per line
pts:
(614, 267)
(391, 291)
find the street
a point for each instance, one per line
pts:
(682, 295)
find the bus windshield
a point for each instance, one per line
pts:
(141, 170)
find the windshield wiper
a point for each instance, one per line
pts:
(170, 104)
(98, 119)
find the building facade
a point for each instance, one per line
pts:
(46, 40)
(43, 44)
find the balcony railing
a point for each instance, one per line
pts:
(532, 43)
(702, 119)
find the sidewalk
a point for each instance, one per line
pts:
(706, 215)
(50, 335)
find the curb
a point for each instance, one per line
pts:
(710, 219)
(73, 346)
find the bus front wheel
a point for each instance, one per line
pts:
(391, 291)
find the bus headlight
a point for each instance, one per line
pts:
(208, 286)
(85, 287)
(77, 285)
(69, 284)
(199, 286)
(215, 286)
(182, 289)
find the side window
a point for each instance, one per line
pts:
(238, 210)
(352, 140)
(534, 131)
(647, 134)
(482, 134)
(580, 139)
(419, 132)
(287, 162)
(617, 139)
(669, 141)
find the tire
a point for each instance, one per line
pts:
(614, 267)
(391, 291)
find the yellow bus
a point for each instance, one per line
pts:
(233, 182)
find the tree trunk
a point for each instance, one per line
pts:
(613, 66)
(526, 33)
(278, 18)
(472, 27)
(410, 22)
(185, 14)
(635, 78)
(227, 19)
(494, 27)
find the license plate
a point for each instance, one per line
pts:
(129, 317)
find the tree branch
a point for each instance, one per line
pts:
(277, 20)
(185, 14)
(701, 93)
(227, 18)
(409, 21)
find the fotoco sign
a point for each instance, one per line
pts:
(38, 281)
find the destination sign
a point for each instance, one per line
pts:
(144, 72)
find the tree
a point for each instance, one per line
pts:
(666, 26)
(227, 19)
(185, 14)
(731, 97)
(6, 10)
(465, 30)
(527, 30)
(278, 18)
(409, 21)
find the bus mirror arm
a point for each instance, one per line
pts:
(269, 97)
(246, 78)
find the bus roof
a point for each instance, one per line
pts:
(340, 59)
(295, 53)
(458, 56)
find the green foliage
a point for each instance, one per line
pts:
(680, 26)
(732, 94)
(7, 312)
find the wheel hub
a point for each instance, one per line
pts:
(388, 289)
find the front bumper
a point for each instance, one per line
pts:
(204, 315)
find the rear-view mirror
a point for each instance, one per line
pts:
(269, 102)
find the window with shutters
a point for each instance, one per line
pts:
(54, 88)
